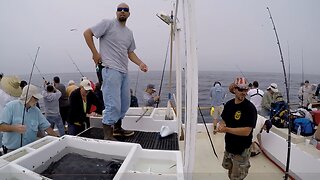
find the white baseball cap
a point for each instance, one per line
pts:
(86, 84)
(273, 87)
(32, 91)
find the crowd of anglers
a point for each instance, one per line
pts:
(268, 104)
(65, 108)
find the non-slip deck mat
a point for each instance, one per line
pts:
(148, 140)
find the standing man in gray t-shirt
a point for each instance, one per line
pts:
(116, 46)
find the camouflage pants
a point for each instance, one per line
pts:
(238, 165)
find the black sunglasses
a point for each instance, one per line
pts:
(119, 9)
(242, 90)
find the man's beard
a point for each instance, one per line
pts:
(122, 19)
(240, 98)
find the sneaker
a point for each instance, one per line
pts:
(253, 154)
(122, 132)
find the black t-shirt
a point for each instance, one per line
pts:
(239, 115)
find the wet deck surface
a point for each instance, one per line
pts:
(148, 140)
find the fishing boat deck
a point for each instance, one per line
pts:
(207, 166)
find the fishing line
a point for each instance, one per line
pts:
(204, 122)
(289, 66)
(135, 88)
(25, 101)
(242, 73)
(288, 100)
(37, 69)
(75, 65)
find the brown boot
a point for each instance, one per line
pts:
(118, 131)
(108, 132)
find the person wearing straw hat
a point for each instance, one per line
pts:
(9, 91)
(11, 86)
(239, 118)
(14, 125)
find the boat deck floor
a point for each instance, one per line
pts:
(147, 140)
(208, 166)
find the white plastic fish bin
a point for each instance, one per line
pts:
(139, 119)
(147, 119)
(35, 160)
(145, 165)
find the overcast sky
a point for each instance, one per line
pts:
(231, 34)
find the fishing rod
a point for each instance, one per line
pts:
(37, 69)
(25, 101)
(289, 66)
(302, 77)
(242, 73)
(204, 122)
(75, 65)
(171, 55)
(288, 99)
(163, 70)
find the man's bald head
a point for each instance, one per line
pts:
(123, 12)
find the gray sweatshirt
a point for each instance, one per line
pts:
(51, 102)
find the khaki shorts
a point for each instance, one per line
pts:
(238, 165)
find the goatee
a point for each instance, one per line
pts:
(122, 19)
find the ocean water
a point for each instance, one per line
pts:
(139, 81)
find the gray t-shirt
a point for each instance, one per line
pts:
(115, 43)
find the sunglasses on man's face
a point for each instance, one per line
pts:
(119, 9)
(242, 90)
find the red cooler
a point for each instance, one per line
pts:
(316, 116)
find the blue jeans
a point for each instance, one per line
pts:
(56, 120)
(116, 95)
(75, 129)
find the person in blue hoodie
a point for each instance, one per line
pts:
(51, 97)
(217, 96)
